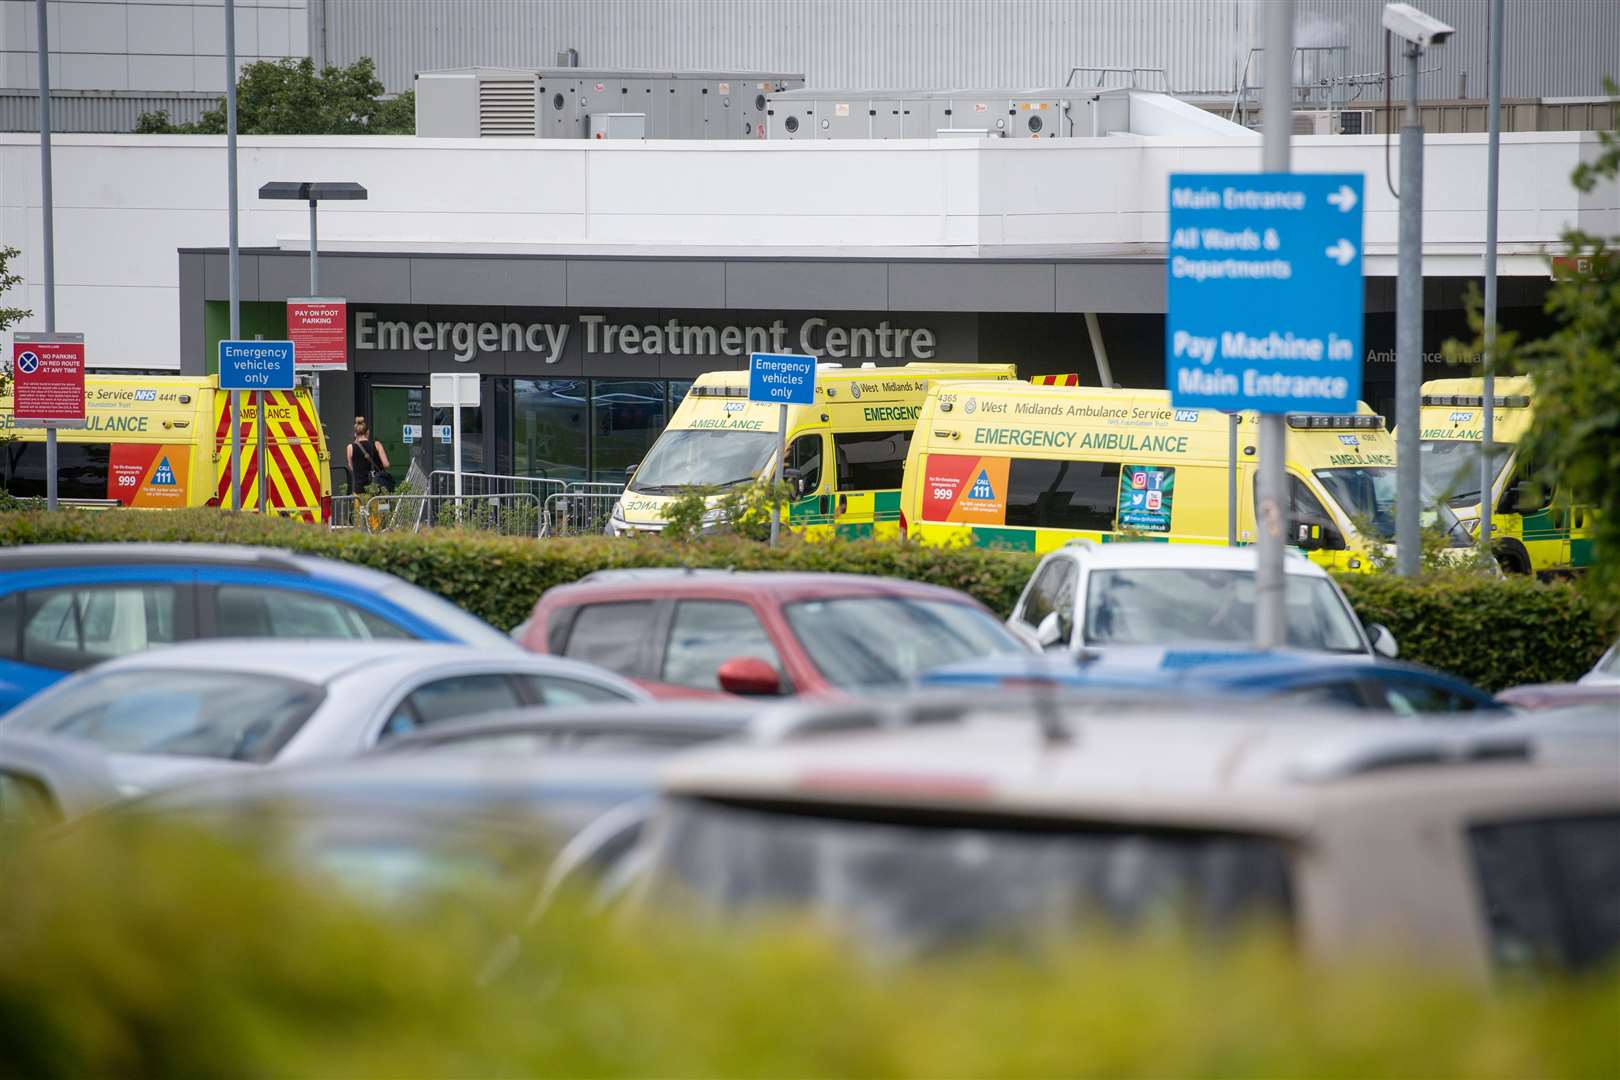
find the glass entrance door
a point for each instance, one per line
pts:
(400, 423)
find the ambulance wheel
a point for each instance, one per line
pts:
(1512, 557)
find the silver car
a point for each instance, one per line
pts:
(170, 714)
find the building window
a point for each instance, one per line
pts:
(549, 430)
(627, 415)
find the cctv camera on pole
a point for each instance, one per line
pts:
(1420, 32)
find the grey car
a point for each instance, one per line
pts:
(172, 714)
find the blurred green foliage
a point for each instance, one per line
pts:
(1496, 633)
(139, 951)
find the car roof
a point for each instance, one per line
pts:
(1148, 555)
(47, 556)
(323, 661)
(1214, 765)
(784, 585)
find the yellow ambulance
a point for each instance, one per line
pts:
(861, 421)
(155, 441)
(1534, 528)
(1032, 467)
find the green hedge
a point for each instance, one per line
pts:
(1493, 633)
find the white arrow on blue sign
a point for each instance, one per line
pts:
(1265, 292)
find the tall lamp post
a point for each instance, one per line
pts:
(314, 193)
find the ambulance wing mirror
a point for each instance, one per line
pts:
(1307, 537)
(748, 676)
(795, 482)
(1383, 642)
(630, 472)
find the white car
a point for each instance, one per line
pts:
(1092, 600)
(170, 714)
(1606, 672)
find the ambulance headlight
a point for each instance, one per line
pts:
(616, 521)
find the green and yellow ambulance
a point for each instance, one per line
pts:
(846, 452)
(1032, 467)
(1535, 528)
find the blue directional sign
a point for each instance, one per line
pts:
(782, 378)
(255, 365)
(1265, 292)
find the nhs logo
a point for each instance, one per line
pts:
(1187, 416)
(146, 395)
(1461, 417)
(164, 475)
(1349, 440)
(736, 406)
(981, 488)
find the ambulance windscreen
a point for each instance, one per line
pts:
(703, 457)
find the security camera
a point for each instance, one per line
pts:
(1410, 24)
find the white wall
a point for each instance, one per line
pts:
(124, 204)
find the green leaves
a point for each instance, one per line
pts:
(289, 97)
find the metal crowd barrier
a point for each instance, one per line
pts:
(443, 482)
(345, 511)
(515, 513)
(578, 511)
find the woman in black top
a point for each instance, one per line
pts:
(367, 457)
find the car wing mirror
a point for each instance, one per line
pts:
(1050, 630)
(749, 676)
(1383, 642)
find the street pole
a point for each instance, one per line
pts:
(1409, 332)
(235, 252)
(781, 471)
(1270, 626)
(315, 290)
(47, 213)
(1487, 470)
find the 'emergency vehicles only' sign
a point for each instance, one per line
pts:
(1265, 292)
(782, 378)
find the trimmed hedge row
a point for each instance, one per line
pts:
(1493, 633)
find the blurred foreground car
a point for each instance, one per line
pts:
(1088, 599)
(1537, 696)
(170, 714)
(929, 822)
(66, 607)
(490, 800)
(1349, 681)
(45, 781)
(684, 632)
(1606, 672)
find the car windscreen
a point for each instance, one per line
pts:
(703, 457)
(1451, 469)
(1178, 605)
(234, 715)
(914, 886)
(873, 641)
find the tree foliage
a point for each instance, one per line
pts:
(289, 97)
(9, 316)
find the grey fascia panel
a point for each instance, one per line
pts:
(970, 286)
(1112, 288)
(807, 286)
(363, 278)
(217, 276)
(513, 282)
(647, 283)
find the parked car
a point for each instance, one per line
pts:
(65, 607)
(930, 822)
(683, 632)
(503, 802)
(1087, 599)
(45, 781)
(1348, 680)
(197, 709)
(1606, 672)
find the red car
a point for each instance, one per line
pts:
(684, 633)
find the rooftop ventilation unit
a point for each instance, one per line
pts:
(506, 107)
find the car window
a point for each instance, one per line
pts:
(1409, 697)
(10, 626)
(805, 456)
(871, 460)
(459, 696)
(251, 611)
(611, 635)
(1062, 494)
(1172, 605)
(556, 690)
(1042, 598)
(1340, 695)
(869, 641)
(68, 629)
(707, 633)
(236, 715)
(1550, 890)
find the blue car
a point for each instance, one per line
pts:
(1332, 680)
(66, 607)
